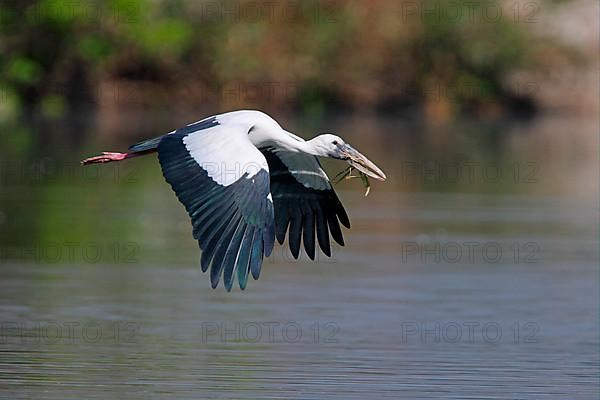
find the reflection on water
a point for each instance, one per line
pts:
(449, 286)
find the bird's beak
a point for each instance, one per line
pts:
(361, 163)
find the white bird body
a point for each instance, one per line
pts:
(245, 181)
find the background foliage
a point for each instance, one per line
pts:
(344, 55)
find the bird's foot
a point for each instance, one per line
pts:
(104, 158)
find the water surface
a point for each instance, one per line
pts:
(419, 304)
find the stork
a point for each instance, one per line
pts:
(244, 181)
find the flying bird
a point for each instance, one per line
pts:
(244, 181)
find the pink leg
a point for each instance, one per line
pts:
(106, 157)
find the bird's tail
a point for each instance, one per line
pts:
(138, 149)
(145, 145)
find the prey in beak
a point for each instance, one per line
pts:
(358, 161)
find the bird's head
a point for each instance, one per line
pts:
(332, 146)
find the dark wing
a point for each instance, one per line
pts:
(223, 182)
(305, 202)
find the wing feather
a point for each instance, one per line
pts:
(232, 216)
(242, 264)
(308, 228)
(305, 203)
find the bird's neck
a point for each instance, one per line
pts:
(282, 140)
(292, 143)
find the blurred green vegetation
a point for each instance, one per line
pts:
(444, 56)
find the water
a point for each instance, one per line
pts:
(444, 290)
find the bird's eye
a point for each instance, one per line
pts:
(335, 143)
